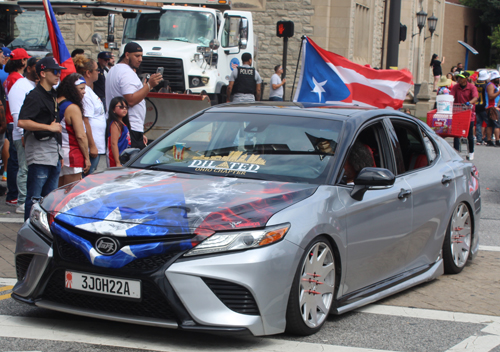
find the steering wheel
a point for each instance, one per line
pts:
(34, 40)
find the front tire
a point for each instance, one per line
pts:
(458, 239)
(313, 288)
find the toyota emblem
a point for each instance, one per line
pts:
(106, 246)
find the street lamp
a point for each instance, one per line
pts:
(432, 24)
(421, 18)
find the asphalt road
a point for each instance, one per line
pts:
(452, 313)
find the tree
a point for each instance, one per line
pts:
(490, 10)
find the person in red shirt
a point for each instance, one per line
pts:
(465, 93)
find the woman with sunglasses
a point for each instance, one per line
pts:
(75, 146)
(117, 130)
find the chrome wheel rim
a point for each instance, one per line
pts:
(460, 235)
(317, 283)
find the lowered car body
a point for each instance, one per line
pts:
(246, 218)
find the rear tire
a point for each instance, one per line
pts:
(458, 239)
(313, 288)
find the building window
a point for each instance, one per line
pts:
(466, 29)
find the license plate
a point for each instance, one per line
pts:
(105, 285)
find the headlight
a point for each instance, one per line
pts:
(204, 80)
(198, 81)
(39, 219)
(195, 82)
(245, 239)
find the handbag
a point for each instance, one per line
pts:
(493, 114)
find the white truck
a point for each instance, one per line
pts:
(198, 45)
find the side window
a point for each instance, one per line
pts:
(412, 148)
(431, 148)
(366, 151)
(231, 32)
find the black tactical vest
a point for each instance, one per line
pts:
(245, 82)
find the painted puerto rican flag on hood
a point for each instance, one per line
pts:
(330, 78)
(59, 48)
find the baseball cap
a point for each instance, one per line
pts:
(19, 54)
(32, 61)
(6, 51)
(105, 55)
(48, 63)
(132, 47)
(460, 74)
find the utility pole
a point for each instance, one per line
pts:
(393, 34)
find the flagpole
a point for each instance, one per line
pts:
(297, 68)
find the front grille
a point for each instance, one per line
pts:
(173, 70)
(70, 253)
(235, 297)
(150, 263)
(152, 305)
(22, 263)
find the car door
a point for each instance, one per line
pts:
(432, 185)
(377, 226)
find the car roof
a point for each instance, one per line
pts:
(325, 111)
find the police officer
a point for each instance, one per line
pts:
(102, 66)
(244, 82)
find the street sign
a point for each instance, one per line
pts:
(284, 29)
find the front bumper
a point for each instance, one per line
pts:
(237, 292)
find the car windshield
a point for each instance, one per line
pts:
(270, 147)
(27, 30)
(185, 26)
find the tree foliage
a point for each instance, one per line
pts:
(490, 10)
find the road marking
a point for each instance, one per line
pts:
(482, 343)
(146, 338)
(5, 281)
(2, 297)
(15, 220)
(430, 314)
(6, 288)
(489, 248)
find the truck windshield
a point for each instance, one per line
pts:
(186, 26)
(26, 30)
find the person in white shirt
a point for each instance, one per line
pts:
(94, 116)
(16, 100)
(123, 81)
(276, 91)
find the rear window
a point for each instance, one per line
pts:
(269, 147)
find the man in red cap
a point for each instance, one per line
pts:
(15, 68)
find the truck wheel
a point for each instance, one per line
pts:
(312, 290)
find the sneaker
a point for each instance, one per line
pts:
(497, 143)
(12, 202)
(490, 144)
(471, 157)
(20, 209)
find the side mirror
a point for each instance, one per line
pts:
(243, 33)
(127, 154)
(214, 44)
(370, 177)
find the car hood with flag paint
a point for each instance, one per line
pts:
(327, 77)
(132, 204)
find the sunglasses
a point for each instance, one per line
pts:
(55, 72)
(122, 107)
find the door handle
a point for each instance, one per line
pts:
(446, 179)
(405, 193)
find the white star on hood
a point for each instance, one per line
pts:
(112, 225)
(318, 88)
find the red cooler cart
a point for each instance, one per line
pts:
(451, 125)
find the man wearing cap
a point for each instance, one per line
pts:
(465, 93)
(111, 61)
(102, 66)
(481, 116)
(39, 118)
(244, 82)
(15, 68)
(123, 81)
(492, 93)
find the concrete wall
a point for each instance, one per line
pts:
(456, 18)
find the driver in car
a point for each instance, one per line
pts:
(359, 157)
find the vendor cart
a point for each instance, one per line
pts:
(452, 125)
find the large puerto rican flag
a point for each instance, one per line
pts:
(59, 48)
(330, 78)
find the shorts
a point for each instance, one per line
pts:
(68, 170)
